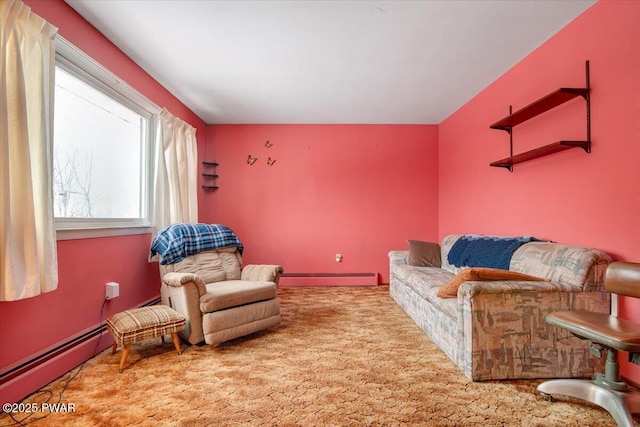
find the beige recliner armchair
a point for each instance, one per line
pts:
(203, 280)
(220, 300)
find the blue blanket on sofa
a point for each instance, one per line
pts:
(485, 251)
(178, 241)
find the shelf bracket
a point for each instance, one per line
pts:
(510, 130)
(587, 98)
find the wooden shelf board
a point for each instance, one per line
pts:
(545, 150)
(543, 104)
(209, 175)
(210, 163)
(210, 187)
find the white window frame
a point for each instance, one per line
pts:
(80, 65)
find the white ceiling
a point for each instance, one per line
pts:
(375, 62)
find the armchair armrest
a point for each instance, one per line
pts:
(177, 280)
(182, 292)
(265, 273)
(399, 257)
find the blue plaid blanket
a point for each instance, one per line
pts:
(485, 251)
(178, 241)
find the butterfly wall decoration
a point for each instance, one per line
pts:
(252, 160)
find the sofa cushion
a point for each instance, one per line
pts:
(563, 264)
(450, 289)
(448, 306)
(424, 254)
(421, 278)
(234, 293)
(425, 282)
(446, 245)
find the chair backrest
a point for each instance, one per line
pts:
(212, 266)
(623, 278)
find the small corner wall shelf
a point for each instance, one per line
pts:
(536, 108)
(210, 175)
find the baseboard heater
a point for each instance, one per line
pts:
(55, 350)
(329, 279)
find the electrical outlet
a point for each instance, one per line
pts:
(112, 290)
(338, 257)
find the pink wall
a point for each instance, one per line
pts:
(362, 190)
(29, 326)
(571, 197)
(358, 190)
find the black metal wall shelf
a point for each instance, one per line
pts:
(544, 104)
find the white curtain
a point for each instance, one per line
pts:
(27, 237)
(176, 173)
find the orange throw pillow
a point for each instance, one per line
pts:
(450, 289)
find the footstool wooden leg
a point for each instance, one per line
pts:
(114, 347)
(176, 342)
(125, 353)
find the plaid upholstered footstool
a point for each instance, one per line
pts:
(142, 323)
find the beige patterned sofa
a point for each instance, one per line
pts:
(496, 329)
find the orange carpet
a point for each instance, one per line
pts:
(341, 357)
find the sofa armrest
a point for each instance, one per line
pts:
(262, 272)
(503, 333)
(472, 288)
(399, 257)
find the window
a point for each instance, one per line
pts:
(98, 152)
(102, 150)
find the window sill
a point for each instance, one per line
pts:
(92, 233)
